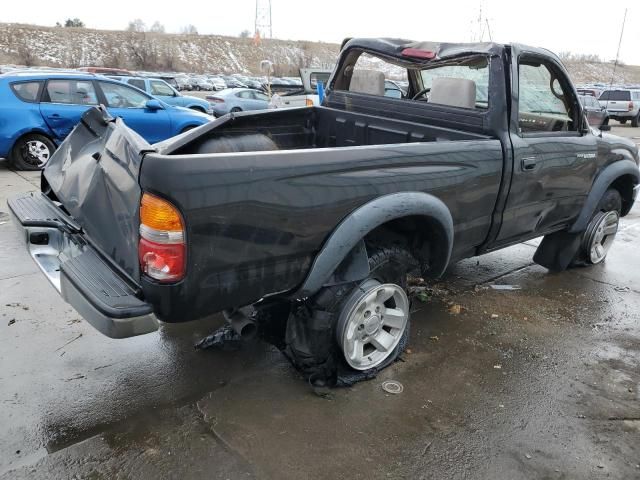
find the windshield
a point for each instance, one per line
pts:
(475, 69)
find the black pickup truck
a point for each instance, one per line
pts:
(318, 214)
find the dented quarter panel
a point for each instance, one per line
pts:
(256, 220)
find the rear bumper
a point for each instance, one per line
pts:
(623, 115)
(102, 295)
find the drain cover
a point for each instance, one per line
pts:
(391, 386)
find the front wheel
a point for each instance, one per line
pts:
(31, 152)
(357, 328)
(601, 230)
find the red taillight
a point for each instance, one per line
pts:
(161, 250)
(630, 106)
(162, 262)
(215, 100)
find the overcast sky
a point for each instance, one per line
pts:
(581, 27)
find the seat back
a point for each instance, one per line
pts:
(367, 81)
(455, 92)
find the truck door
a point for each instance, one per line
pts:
(63, 103)
(555, 153)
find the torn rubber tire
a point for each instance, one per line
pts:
(316, 328)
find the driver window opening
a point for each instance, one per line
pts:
(543, 105)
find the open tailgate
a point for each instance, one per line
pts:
(94, 174)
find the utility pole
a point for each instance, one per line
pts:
(263, 19)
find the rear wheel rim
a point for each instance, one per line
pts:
(372, 324)
(36, 153)
(601, 235)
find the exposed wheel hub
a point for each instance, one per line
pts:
(372, 323)
(600, 234)
(37, 153)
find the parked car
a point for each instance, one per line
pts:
(237, 100)
(104, 70)
(184, 83)
(162, 90)
(203, 84)
(233, 82)
(622, 105)
(591, 91)
(597, 114)
(218, 83)
(38, 110)
(392, 89)
(308, 220)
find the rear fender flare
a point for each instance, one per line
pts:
(355, 226)
(603, 181)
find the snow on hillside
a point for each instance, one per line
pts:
(74, 47)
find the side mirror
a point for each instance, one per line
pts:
(605, 128)
(154, 104)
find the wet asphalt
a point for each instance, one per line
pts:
(541, 382)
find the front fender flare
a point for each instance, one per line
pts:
(355, 226)
(600, 186)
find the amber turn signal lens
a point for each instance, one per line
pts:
(159, 214)
(309, 102)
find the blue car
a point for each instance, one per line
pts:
(165, 92)
(38, 110)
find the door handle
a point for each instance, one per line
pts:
(529, 163)
(53, 115)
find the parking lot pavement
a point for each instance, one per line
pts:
(540, 382)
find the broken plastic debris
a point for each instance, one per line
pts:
(505, 287)
(392, 386)
(225, 338)
(435, 338)
(494, 315)
(497, 367)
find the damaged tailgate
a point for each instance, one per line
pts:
(94, 174)
(81, 229)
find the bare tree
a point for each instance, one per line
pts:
(157, 27)
(142, 51)
(170, 57)
(136, 25)
(74, 22)
(189, 30)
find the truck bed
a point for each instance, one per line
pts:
(315, 127)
